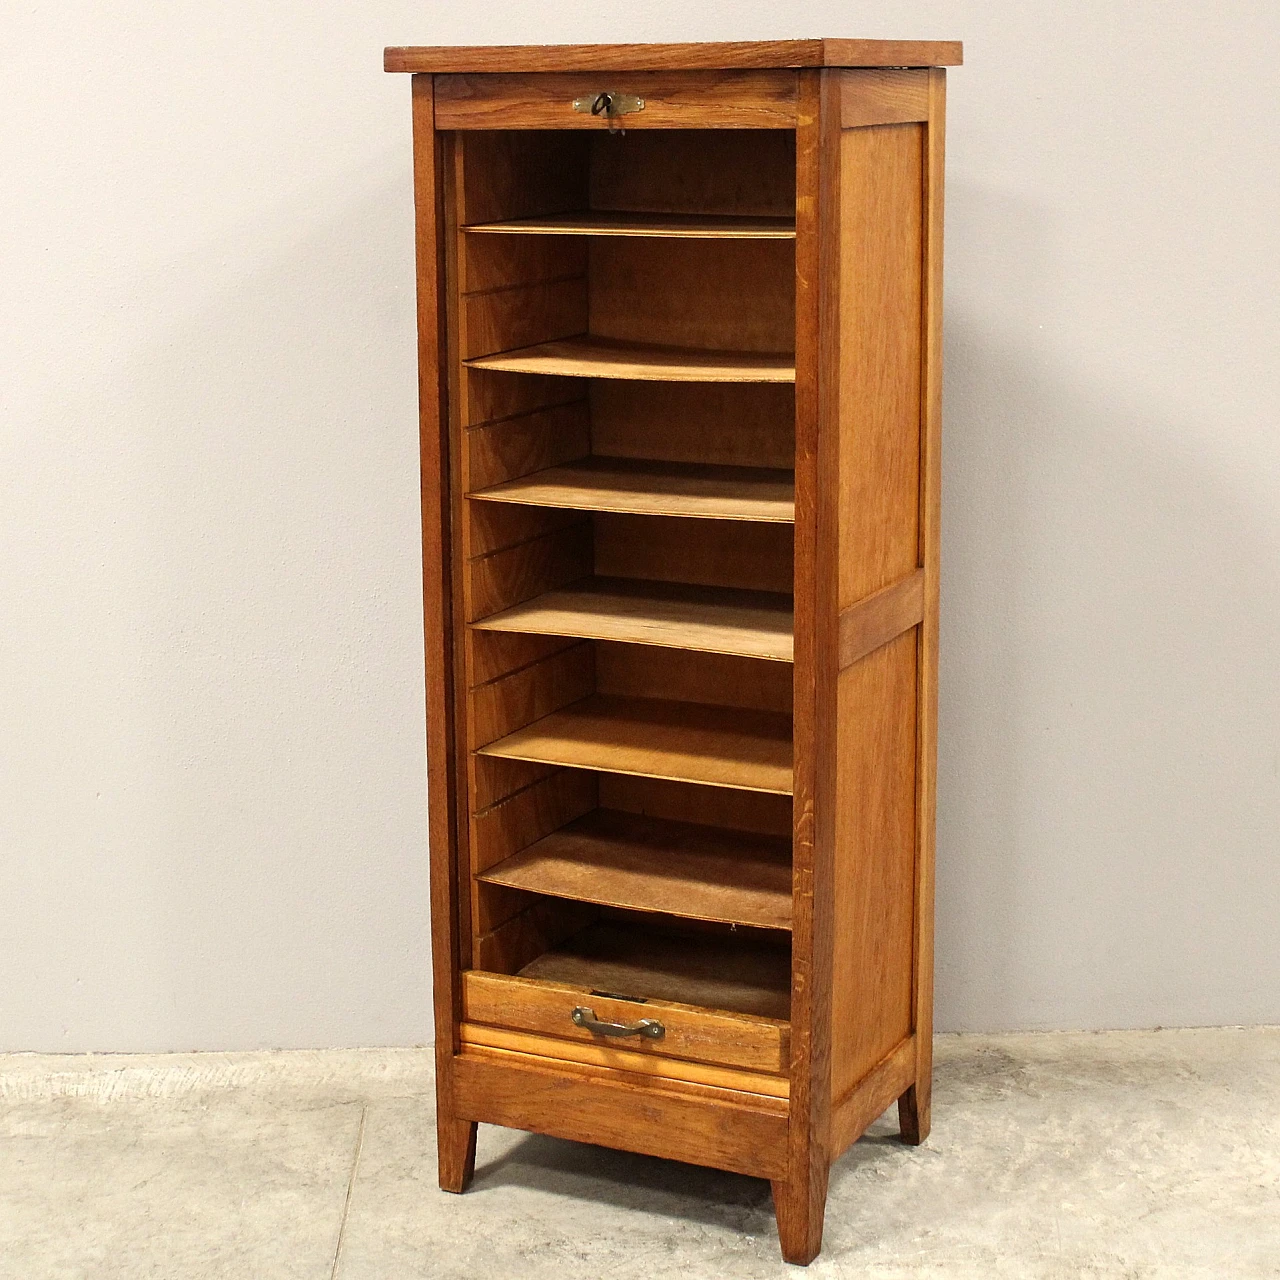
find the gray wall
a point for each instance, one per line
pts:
(211, 794)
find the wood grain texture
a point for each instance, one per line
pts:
(725, 423)
(519, 175)
(739, 172)
(654, 738)
(881, 245)
(683, 675)
(870, 97)
(651, 864)
(732, 973)
(729, 99)
(710, 553)
(711, 806)
(500, 706)
(590, 357)
(873, 886)
(914, 1108)
(507, 577)
(506, 449)
(525, 818)
(503, 319)
(619, 1055)
(645, 487)
(882, 616)
(663, 226)
(676, 57)
(755, 624)
(700, 1035)
(743, 1133)
(800, 1196)
(456, 1136)
(734, 294)
(868, 1099)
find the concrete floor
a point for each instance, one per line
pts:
(1129, 1154)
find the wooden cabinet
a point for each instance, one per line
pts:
(679, 317)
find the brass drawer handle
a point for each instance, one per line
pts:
(650, 1027)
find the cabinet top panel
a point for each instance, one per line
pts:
(726, 55)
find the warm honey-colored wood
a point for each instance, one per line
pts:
(737, 424)
(729, 99)
(881, 252)
(697, 226)
(649, 487)
(800, 1196)
(881, 617)
(606, 1053)
(883, 97)
(695, 172)
(456, 1135)
(684, 741)
(734, 294)
(914, 1106)
(740, 1132)
(665, 368)
(713, 619)
(675, 57)
(872, 1095)
(691, 1032)
(732, 973)
(591, 357)
(873, 887)
(686, 675)
(652, 864)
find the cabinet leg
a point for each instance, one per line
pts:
(800, 1204)
(914, 1113)
(457, 1143)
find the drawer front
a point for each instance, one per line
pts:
(672, 100)
(699, 1045)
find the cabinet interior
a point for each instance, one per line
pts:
(622, 466)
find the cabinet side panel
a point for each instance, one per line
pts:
(881, 248)
(875, 860)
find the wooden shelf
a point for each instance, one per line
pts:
(663, 225)
(754, 624)
(642, 487)
(651, 864)
(588, 357)
(654, 738)
(712, 971)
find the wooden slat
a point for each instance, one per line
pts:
(659, 225)
(689, 742)
(881, 617)
(703, 1035)
(675, 57)
(763, 99)
(869, 1098)
(870, 97)
(649, 864)
(743, 1133)
(712, 971)
(587, 357)
(754, 624)
(644, 487)
(603, 1053)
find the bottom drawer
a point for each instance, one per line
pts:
(703, 1046)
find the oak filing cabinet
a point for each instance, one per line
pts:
(679, 327)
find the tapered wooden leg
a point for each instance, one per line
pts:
(457, 1142)
(914, 1113)
(800, 1204)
